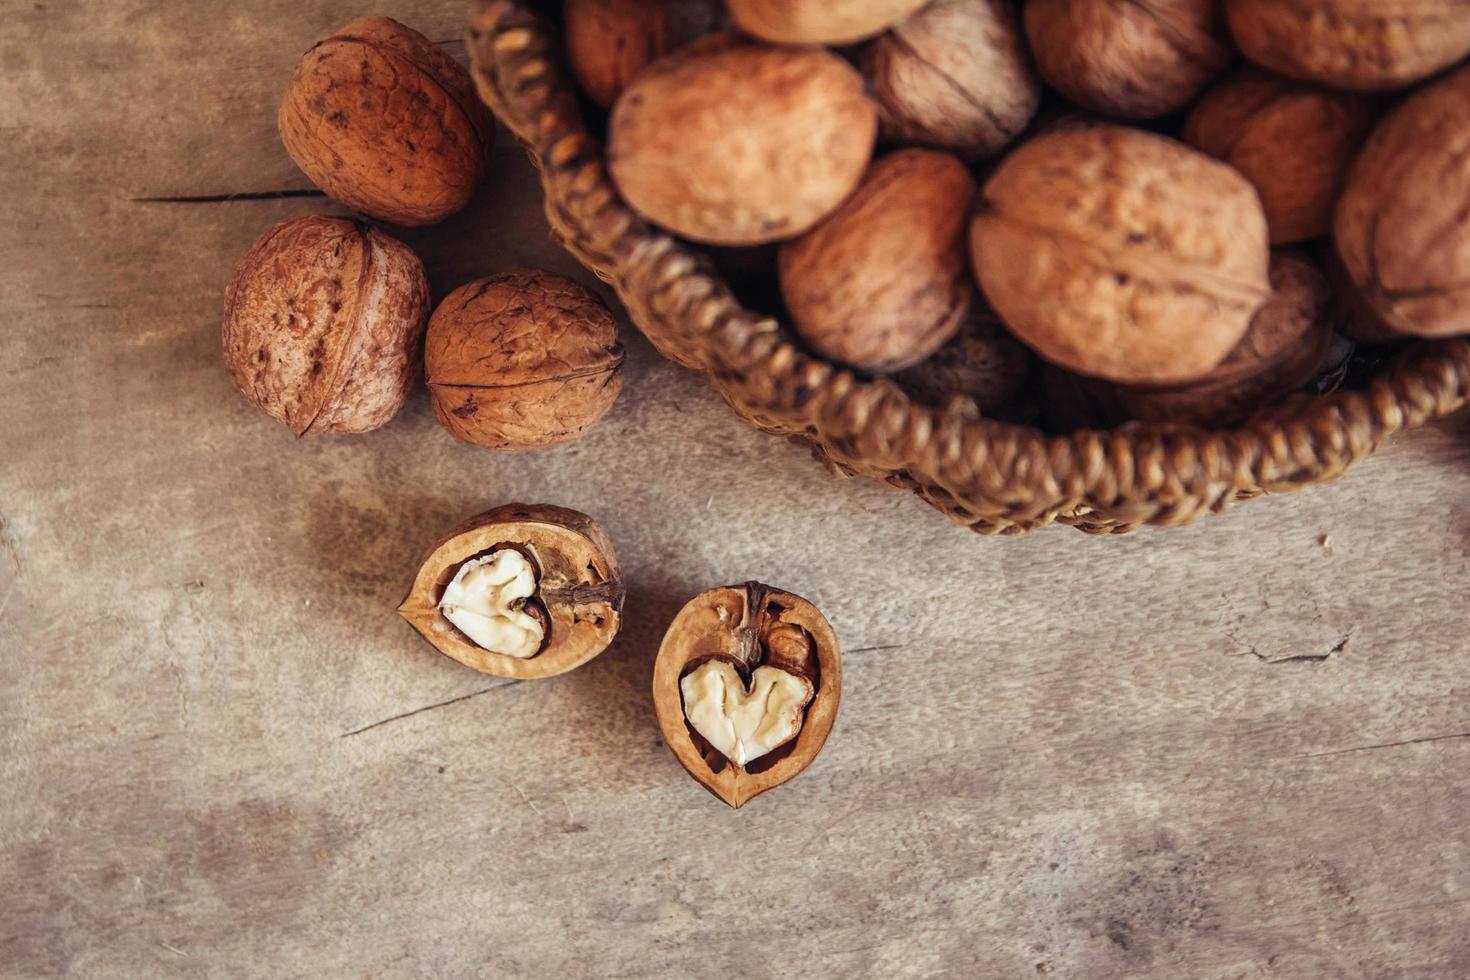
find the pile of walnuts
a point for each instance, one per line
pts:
(327, 321)
(1070, 212)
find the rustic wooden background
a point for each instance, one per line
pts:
(1233, 750)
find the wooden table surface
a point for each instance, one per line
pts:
(1238, 749)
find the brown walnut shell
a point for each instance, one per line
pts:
(981, 365)
(740, 145)
(956, 76)
(522, 360)
(324, 325)
(1402, 225)
(1359, 45)
(610, 41)
(1294, 142)
(579, 590)
(1120, 254)
(382, 120)
(743, 624)
(882, 282)
(818, 21)
(1133, 59)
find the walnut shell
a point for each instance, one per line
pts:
(382, 120)
(522, 361)
(982, 364)
(882, 282)
(818, 21)
(1133, 59)
(579, 590)
(610, 41)
(1402, 227)
(955, 75)
(741, 145)
(324, 325)
(744, 624)
(1294, 142)
(1359, 45)
(1121, 254)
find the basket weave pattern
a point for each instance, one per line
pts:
(990, 476)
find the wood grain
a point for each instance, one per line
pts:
(1237, 749)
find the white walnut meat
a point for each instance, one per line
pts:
(324, 325)
(1132, 59)
(746, 687)
(737, 144)
(1120, 254)
(610, 41)
(955, 75)
(1358, 45)
(1293, 141)
(833, 22)
(1402, 227)
(524, 591)
(522, 360)
(385, 122)
(882, 282)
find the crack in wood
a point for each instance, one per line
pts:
(226, 198)
(1389, 745)
(429, 707)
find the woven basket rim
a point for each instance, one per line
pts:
(990, 474)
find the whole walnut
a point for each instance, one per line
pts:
(818, 21)
(522, 360)
(1360, 45)
(882, 282)
(982, 363)
(1402, 226)
(1121, 254)
(382, 120)
(740, 144)
(1291, 140)
(956, 76)
(1134, 59)
(611, 41)
(324, 325)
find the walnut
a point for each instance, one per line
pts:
(522, 360)
(955, 75)
(746, 687)
(1360, 45)
(324, 324)
(1401, 227)
(524, 591)
(382, 120)
(1293, 141)
(1134, 59)
(818, 21)
(1121, 254)
(739, 144)
(882, 282)
(611, 41)
(981, 365)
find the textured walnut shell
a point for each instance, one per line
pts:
(1121, 254)
(382, 120)
(1134, 59)
(882, 282)
(956, 76)
(981, 365)
(741, 144)
(579, 588)
(818, 21)
(610, 41)
(1402, 226)
(324, 325)
(1294, 142)
(734, 623)
(522, 360)
(1360, 45)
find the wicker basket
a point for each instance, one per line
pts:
(990, 476)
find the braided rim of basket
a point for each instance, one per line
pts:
(990, 476)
